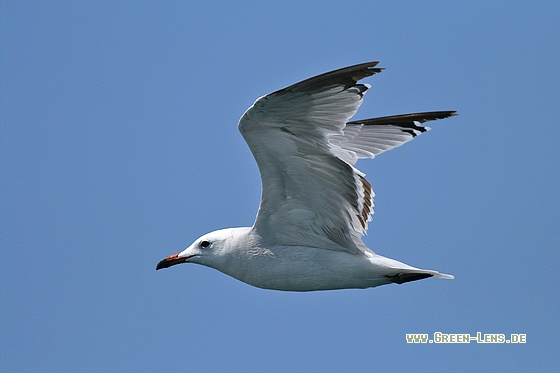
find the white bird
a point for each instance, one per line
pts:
(315, 205)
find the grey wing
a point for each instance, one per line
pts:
(370, 137)
(305, 149)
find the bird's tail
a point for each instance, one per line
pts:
(408, 275)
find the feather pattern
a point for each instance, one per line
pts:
(306, 149)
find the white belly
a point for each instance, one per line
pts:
(294, 268)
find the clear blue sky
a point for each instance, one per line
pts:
(119, 145)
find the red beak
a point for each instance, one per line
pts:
(171, 260)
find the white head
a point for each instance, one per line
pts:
(210, 250)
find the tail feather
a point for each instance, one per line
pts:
(403, 277)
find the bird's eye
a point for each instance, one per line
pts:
(204, 244)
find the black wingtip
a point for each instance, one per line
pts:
(407, 118)
(402, 278)
(346, 76)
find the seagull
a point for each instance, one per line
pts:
(315, 205)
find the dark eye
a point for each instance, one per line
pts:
(204, 244)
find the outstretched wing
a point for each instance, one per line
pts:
(370, 137)
(305, 149)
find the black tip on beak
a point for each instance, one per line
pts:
(169, 261)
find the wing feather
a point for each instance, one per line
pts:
(305, 149)
(370, 137)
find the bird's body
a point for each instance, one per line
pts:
(241, 253)
(315, 205)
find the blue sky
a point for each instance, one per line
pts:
(119, 146)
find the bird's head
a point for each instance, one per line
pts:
(210, 250)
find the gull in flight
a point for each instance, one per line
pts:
(315, 205)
